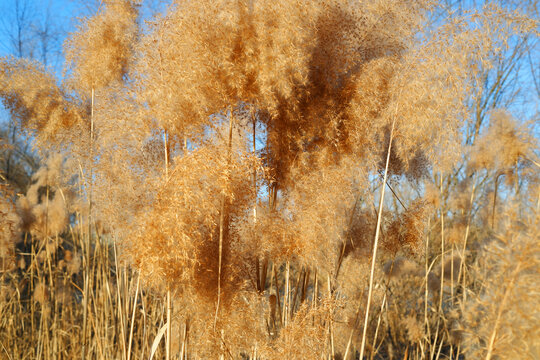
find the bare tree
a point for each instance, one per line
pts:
(27, 30)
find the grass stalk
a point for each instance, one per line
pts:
(222, 221)
(133, 318)
(376, 242)
(168, 335)
(379, 318)
(442, 247)
(500, 310)
(286, 303)
(89, 239)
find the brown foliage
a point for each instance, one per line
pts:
(230, 137)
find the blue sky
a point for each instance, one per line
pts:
(47, 22)
(40, 25)
(37, 29)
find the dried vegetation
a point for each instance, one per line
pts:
(213, 177)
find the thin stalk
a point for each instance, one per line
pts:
(254, 170)
(330, 328)
(442, 248)
(264, 272)
(286, 304)
(344, 245)
(441, 289)
(120, 311)
(305, 286)
(462, 268)
(261, 277)
(222, 222)
(440, 348)
(296, 291)
(5, 350)
(133, 318)
(277, 294)
(168, 336)
(349, 342)
(169, 318)
(86, 278)
(452, 274)
(500, 311)
(258, 274)
(184, 341)
(494, 210)
(315, 290)
(144, 337)
(538, 203)
(376, 242)
(32, 303)
(383, 303)
(426, 290)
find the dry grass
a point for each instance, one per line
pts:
(272, 180)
